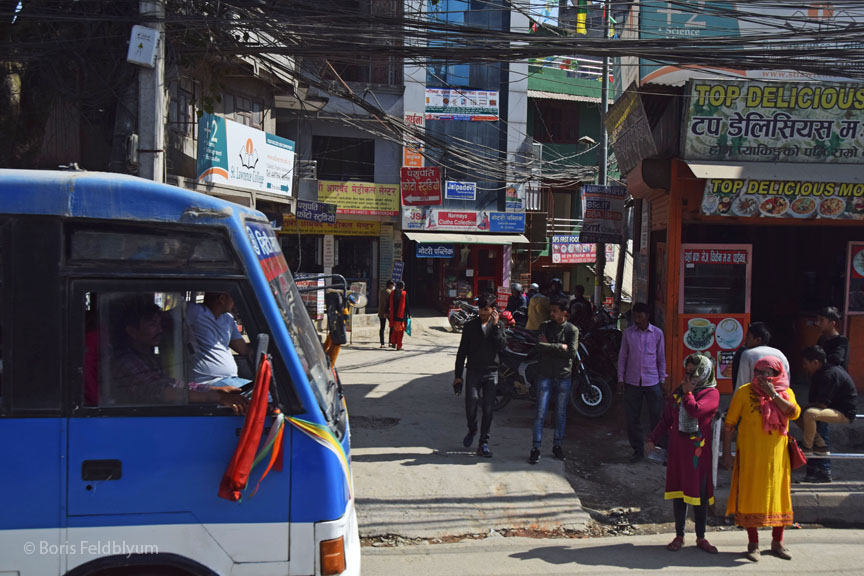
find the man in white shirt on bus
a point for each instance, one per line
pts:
(214, 334)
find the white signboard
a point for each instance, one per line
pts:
(237, 155)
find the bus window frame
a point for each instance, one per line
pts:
(6, 309)
(244, 300)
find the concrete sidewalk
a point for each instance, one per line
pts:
(412, 475)
(814, 551)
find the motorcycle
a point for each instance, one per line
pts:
(458, 318)
(590, 391)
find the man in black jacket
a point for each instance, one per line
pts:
(833, 399)
(556, 351)
(482, 339)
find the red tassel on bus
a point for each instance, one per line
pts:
(237, 475)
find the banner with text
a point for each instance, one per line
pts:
(460, 190)
(412, 144)
(603, 213)
(435, 251)
(291, 225)
(783, 199)
(423, 218)
(360, 197)
(421, 186)
(455, 104)
(237, 155)
(775, 122)
(568, 250)
(316, 211)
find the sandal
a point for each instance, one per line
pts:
(703, 544)
(675, 544)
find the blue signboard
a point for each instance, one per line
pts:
(398, 268)
(507, 222)
(316, 211)
(435, 251)
(460, 191)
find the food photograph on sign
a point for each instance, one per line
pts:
(783, 199)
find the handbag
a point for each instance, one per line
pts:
(796, 456)
(408, 327)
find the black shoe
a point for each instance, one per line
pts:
(557, 452)
(817, 479)
(534, 457)
(469, 438)
(636, 457)
(484, 451)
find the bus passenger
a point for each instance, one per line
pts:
(214, 334)
(138, 376)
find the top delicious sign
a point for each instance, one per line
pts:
(761, 122)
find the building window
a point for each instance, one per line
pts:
(344, 159)
(244, 111)
(556, 122)
(181, 110)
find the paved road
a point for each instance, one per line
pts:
(816, 551)
(412, 475)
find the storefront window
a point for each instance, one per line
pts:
(356, 260)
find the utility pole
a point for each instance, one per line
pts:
(151, 101)
(602, 177)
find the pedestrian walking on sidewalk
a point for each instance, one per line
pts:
(641, 376)
(383, 301)
(398, 313)
(687, 420)
(556, 351)
(482, 339)
(761, 491)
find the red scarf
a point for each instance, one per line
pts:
(772, 417)
(397, 315)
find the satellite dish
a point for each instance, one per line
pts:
(357, 300)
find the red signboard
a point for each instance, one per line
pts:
(421, 186)
(502, 296)
(455, 220)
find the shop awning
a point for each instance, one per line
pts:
(454, 238)
(777, 171)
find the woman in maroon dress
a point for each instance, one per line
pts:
(687, 420)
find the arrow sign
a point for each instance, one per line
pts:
(421, 186)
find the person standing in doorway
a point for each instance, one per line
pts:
(641, 376)
(398, 314)
(755, 347)
(383, 300)
(482, 339)
(557, 351)
(836, 347)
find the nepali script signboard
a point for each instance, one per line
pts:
(456, 104)
(316, 211)
(360, 197)
(775, 122)
(603, 213)
(568, 250)
(421, 186)
(783, 199)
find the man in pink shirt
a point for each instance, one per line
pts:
(641, 376)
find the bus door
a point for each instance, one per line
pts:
(144, 449)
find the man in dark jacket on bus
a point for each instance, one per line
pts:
(482, 339)
(557, 351)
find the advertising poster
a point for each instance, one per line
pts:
(360, 197)
(716, 336)
(316, 211)
(424, 218)
(796, 122)
(454, 104)
(603, 210)
(237, 155)
(501, 297)
(421, 186)
(855, 295)
(568, 250)
(412, 146)
(291, 225)
(784, 199)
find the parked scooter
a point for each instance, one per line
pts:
(590, 391)
(458, 318)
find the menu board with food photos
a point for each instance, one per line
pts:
(715, 279)
(855, 274)
(716, 336)
(784, 199)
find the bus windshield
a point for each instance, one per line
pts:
(294, 313)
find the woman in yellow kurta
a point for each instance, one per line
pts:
(760, 494)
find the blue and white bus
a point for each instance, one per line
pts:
(102, 478)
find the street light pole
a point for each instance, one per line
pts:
(602, 177)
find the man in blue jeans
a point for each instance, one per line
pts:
(556, 351)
